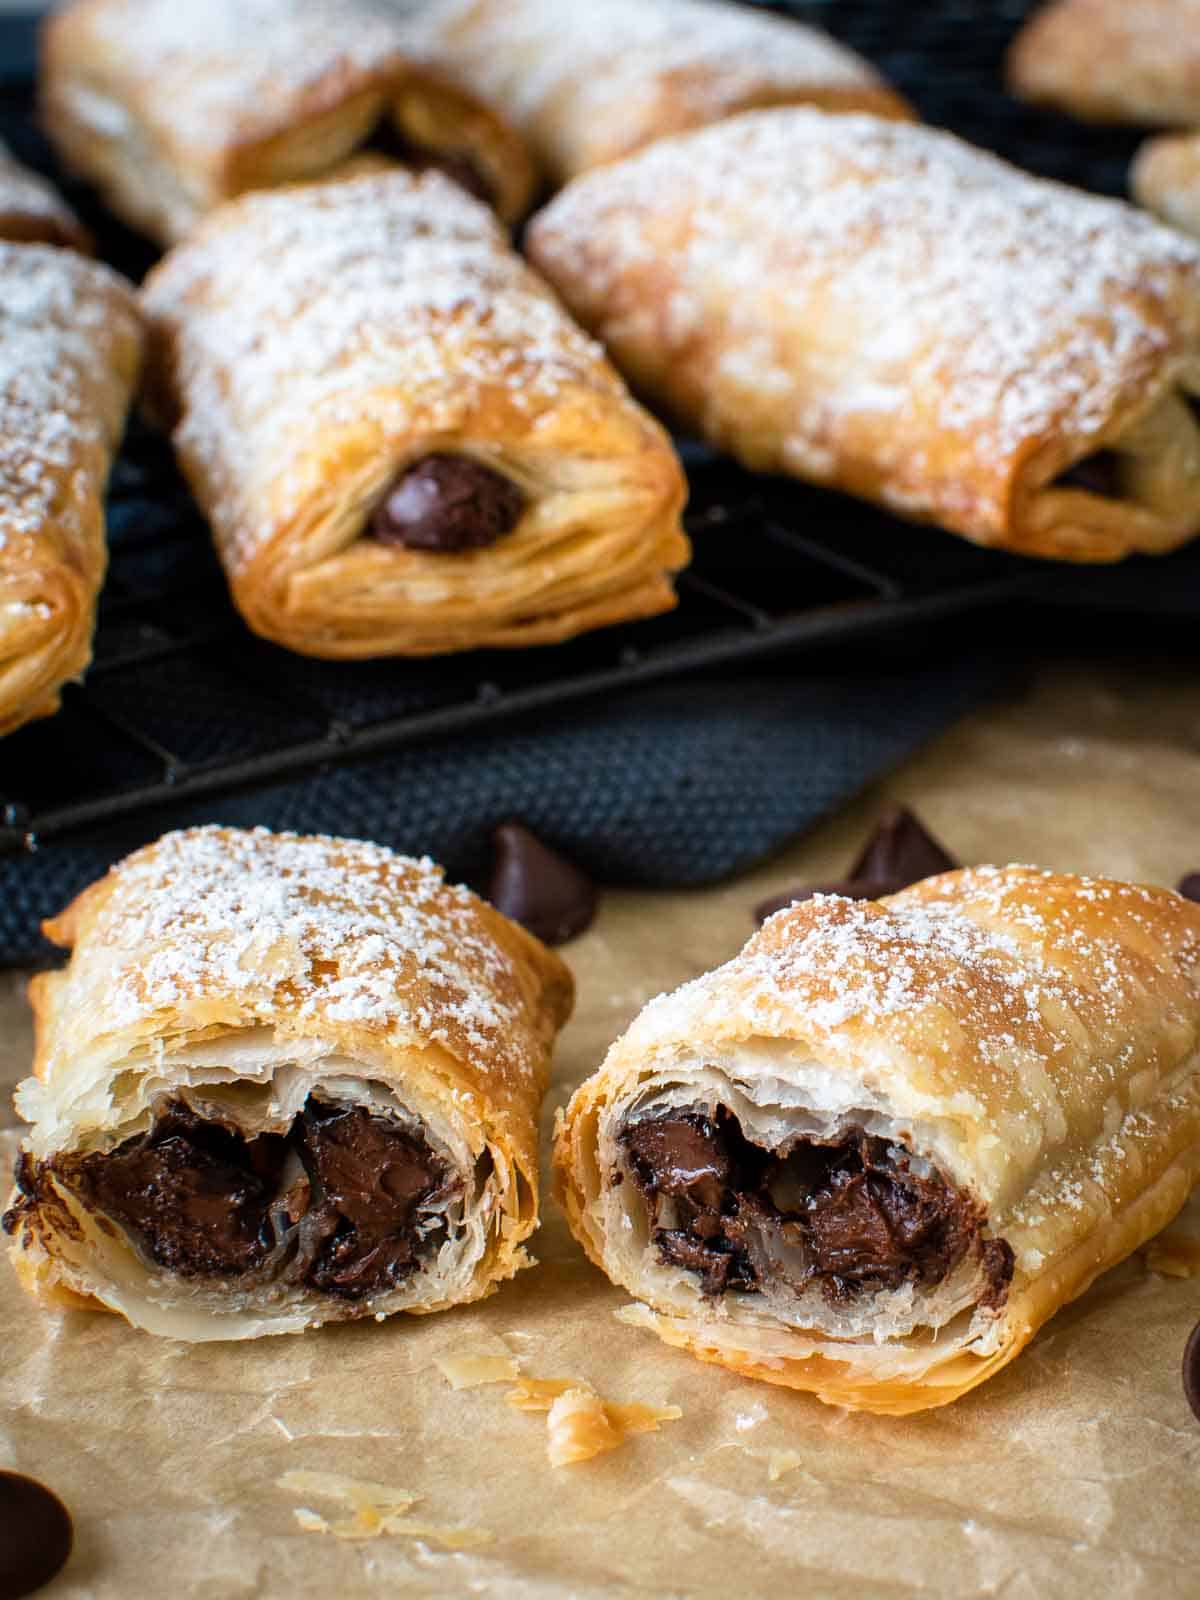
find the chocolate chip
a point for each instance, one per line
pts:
(448, 502)
(1191, 1371)
(536, 887)
(35, 1535)
(1189, 886)
(900, 851)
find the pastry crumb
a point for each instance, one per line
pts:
(780, 1462)
(579, 1423)
(377, 1510)
(467, 1369)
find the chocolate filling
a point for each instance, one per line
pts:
(849, 1215)
(1100, 474)
(388, 140)
(347, 1202)
(448, 502)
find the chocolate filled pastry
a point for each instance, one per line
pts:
(874, 1153)
(402, 442)
(170, 107)
(70, 352)
(282, 1081)
(593, 82)
(33, 212)
(1112, 60)
(880, 308)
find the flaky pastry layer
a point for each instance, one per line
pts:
(247, 977)
(317, 342)
(33, 212)
(1019, 1047)
(170, 108)
(879, 307)
(70, 354)
(591, 83)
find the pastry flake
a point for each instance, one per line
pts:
(874, 1153)
(171, 107)
(879, 307)
(350, 359)
(282, 1081)
(70, 354)
(589, 83)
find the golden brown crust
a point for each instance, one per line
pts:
(338, 959)
(591, 83)
(297, 409)
(1165, 178)
(1036, 1036)
(1112, 60)
(878, 307)
(70, 352)
(171, 109)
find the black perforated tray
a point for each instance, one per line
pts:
(182, 700)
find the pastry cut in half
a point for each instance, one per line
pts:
(171, 106)
(70, 356)
(589, 83)
(282, 1081)
(871, 1155)
(403, 443)
(880, 308)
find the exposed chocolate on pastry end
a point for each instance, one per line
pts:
(1099, 474)
(448, 502)
(388, 140)
(848, 1215)
(900, 852)
(356, 1216)
(1189, 886)
(1191, 1371)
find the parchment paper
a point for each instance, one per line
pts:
(1074, 1473)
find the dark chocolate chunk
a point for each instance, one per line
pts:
(378, 1185)
(1100, 473)
(448, 502)
(456, 165)
(35, 1535)
(1189, 886)
(537, 887)
(196, 1193)
(846, 1215)
(1191, 1371)
(901, 851)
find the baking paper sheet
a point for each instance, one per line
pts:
(1076, 1472)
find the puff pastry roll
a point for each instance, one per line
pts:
(871, 1155)
(70, 351)
(170, 107)
(32, 211)
(1165, 178)
(589, 83)
(282, 1081)
(1112, 60)
(403, 443)
(879, 307)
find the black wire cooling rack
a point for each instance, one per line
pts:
(182, 701)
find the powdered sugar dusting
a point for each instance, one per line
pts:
(220, 925)
(977, 309)
(61, 317)
(237, 68)
(540, 57)
(386, 295)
